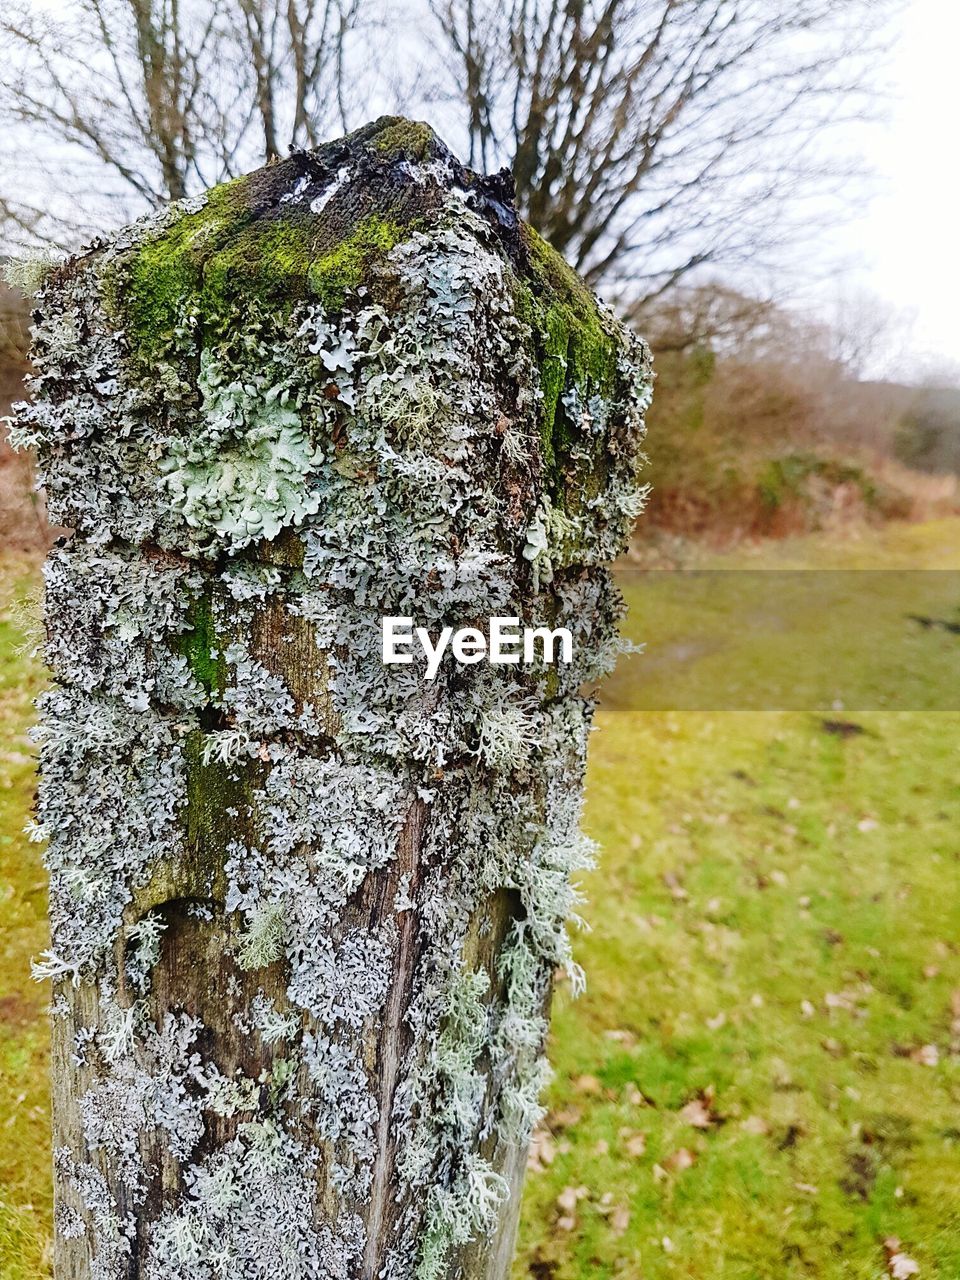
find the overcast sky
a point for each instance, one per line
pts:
(907, 245)
(901, 246)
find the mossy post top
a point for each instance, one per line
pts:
(316, 224)
(312, 226)
(325, 231)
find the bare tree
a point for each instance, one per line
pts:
(138, 102)
(706, 314)
(867, 335)
(296, 50)
(649, 137)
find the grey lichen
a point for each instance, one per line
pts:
(248, 471)
(29, 273)
(349, 386)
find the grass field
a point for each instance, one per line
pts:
(763, 1079)
(25, 1209)
(798, 627)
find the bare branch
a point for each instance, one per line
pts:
(646, 135)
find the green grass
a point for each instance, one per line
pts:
(738, 633)
(25, 1210)
(775, 932)
(775, 925)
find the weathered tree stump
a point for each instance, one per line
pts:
(307, 908)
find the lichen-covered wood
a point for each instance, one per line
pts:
(306, 908)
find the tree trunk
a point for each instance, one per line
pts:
(307, 908)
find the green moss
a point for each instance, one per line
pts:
(213, 261)
(209, 262)
(266, 265)
(153, 290)
(219, 799)
(276, 263)
(345, 267)
(555, 336)
(202, 647)
(406, 137)
(574, 348)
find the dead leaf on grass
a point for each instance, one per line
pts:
(619, 1219)
(621, 1037)
(565, 1118)
(681, 1159)
(570, 1197)
(677, 891)
(928, 1055)
(542, 1151)
(635, 1145)
(699, 1112)
(696, 1114)
(900, 1265)
(633, 1096)
(567, 1202)
(755, 1124)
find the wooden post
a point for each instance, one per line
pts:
(307, 907)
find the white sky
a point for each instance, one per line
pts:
(905, 248)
